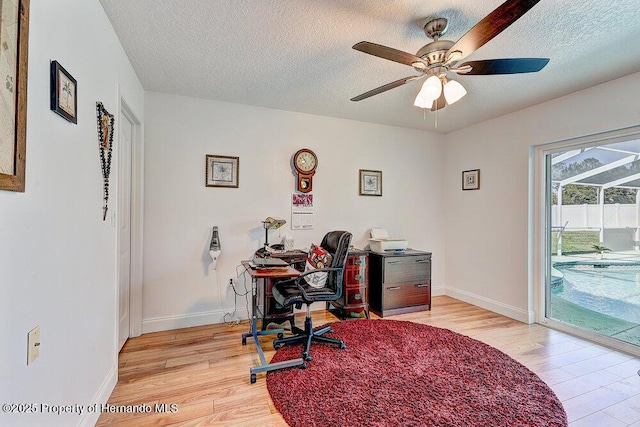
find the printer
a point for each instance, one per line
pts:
(381, 242)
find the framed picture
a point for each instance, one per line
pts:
(14, 38)
(64, 91)
(471, 179)
(370, 183)
(222, 171)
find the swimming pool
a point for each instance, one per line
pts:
(611, 289)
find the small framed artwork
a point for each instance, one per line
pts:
(370, 183)
(64, 91)
(222, 171)
(471, 179)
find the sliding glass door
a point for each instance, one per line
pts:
(591, 239)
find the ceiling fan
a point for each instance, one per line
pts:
(440, 57)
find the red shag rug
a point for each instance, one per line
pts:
(397, 373)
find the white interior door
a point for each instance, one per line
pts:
(124, 229)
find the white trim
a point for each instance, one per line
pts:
(540, 256)
(137, 212)
(438, 290)
(166, 323)
(90, 419)
(492, 305)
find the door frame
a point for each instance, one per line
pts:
(136, 220)
(541, 248)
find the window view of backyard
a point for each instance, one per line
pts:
(595, 240)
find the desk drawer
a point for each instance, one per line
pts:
(407, 269)
(354, 276)
(354, 295)
(356, 260)
(406, 294)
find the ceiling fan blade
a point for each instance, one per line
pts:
(439, 103)
(502, 66)
(385, 88)
(389, 53)
(490, 26)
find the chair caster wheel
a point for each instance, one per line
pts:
(307, 357)
(253, 378)
(304, 366)
(343, 346)
(280, 335)
(244, 340)
(278, 346)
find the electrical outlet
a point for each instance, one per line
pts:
(231, 282)
(33, 345)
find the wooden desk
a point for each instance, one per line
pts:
(271, 313)
(266, 273)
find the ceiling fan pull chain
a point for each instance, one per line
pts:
(437, 116)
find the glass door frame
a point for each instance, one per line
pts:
(540, 218)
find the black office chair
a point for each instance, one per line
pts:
(297, 292)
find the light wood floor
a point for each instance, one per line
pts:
(205, 371)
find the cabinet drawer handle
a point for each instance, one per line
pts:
(358, 277)
(422, 285)
(393, 262)
(393, 288)
(422, 260)
(357, 262)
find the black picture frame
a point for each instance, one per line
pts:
(64, 93)
(471, 179)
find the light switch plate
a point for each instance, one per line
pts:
(33, 345)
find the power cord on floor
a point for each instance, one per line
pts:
(232, 319)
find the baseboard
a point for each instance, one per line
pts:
(90, 418)
(166, 323)
(438, 290)
(492, 305)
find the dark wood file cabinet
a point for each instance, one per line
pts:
(399, 282)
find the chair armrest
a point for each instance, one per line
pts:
(298, 280)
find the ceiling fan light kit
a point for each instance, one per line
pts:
(431, 90)
(440, 57)
(434, 87)
(453, 91)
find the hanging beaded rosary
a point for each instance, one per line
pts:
(105, 139)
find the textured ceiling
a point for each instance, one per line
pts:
(296, 55)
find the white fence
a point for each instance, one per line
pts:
(620, 223)
(588, 216)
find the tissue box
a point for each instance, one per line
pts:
(381, 245)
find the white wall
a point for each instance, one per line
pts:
(179, 287)
(487, 246)
(57, 256)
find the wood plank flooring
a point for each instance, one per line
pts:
(204, 371)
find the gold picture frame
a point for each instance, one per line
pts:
(222, 171)
(14, 38)
(370, 183)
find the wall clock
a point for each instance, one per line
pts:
(305, 161)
